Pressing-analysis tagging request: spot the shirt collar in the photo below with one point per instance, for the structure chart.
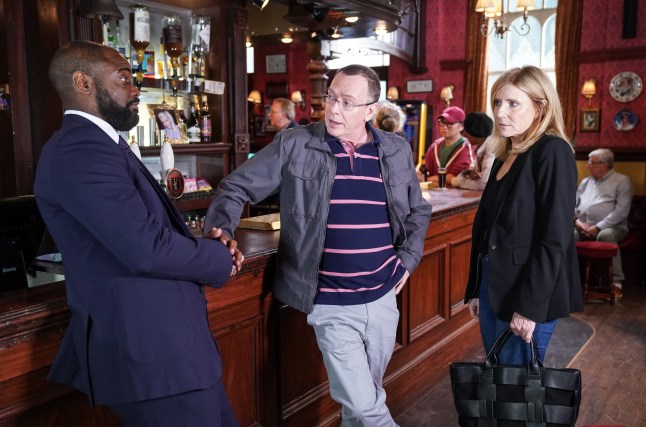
(107, 128)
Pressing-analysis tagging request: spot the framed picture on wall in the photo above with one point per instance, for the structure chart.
(590, 118)
(277, 90)
(276, 63)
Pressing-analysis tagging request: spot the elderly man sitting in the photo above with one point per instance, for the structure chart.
(602, 205)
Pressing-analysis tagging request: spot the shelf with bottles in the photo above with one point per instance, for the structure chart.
(170, 43)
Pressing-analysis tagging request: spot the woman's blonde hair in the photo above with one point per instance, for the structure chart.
(535, 83)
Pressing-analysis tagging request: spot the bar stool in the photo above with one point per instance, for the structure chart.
(596, 256)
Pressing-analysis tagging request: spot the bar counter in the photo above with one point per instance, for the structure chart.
(273, 370)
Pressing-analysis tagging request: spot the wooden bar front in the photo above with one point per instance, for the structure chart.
(273, 370)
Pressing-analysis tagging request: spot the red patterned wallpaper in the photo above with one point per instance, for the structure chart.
(601, 30)
(445, 41)
(296, 75)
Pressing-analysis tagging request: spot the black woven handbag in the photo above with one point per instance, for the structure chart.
(488, 394)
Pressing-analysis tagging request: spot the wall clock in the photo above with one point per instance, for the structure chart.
(626, 86)
(276, 64)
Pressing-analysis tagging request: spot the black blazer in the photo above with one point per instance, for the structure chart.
(133, 272)
(533, 268)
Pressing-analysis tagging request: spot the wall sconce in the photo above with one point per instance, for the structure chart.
(255, 97)
(589, 89)
(446, 94)
(260, 3)
(248, 42)
(298, 98)
(286, 38)
(392, 93)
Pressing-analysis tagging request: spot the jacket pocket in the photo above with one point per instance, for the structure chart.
(305, 190)
(520, 255)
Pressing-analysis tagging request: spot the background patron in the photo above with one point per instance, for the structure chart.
(602, 205)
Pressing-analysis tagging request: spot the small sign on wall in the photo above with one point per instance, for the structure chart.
(417, 86)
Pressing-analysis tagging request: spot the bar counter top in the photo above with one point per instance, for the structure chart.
(254, 243)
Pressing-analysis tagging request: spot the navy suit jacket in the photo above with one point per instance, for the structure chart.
(533, 268)
(133, 272)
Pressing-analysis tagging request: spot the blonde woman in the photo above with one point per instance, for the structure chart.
(523, 270)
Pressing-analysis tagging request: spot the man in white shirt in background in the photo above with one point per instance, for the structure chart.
(602, 205)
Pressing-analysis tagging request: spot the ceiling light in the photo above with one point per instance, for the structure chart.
(351, 19)
(260, 3)
(495, 10)
(286, 38)
(381, 31)
(336, 34)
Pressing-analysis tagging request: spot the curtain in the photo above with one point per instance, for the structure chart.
(476, 54)
(568, 38)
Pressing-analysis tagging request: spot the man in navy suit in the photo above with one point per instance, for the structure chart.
(138, 339)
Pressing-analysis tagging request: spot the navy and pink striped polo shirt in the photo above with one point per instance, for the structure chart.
(359, 264)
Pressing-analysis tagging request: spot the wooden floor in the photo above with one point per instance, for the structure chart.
(612, 363)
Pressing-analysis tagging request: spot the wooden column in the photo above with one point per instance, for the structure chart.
(317, 70)
(238, 108)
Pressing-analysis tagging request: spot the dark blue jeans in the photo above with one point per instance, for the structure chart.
(515, 351)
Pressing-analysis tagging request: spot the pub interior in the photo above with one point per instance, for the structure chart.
(237, 57)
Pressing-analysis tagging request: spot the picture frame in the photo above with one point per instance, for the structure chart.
(419, 86)
(275, 64)
(167, 119)
(590, 119)
(275, 90)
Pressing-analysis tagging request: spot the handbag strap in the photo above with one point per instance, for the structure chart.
(492, 356)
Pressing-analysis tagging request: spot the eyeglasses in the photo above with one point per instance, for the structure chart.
(345, 104)
(444, 123)
(592, 162)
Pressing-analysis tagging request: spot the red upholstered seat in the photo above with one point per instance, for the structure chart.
(595, 261)
(594, 249)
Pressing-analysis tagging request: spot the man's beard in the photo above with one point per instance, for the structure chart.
(120, 118)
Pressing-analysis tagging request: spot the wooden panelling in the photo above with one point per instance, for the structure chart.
(273, 369)
(425, 308)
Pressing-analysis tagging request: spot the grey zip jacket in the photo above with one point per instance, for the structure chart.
(300, 165)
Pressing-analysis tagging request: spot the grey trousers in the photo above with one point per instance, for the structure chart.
(612, 235)
(356, 342)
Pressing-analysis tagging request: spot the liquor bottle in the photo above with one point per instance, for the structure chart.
(205, 121)
(172, 30)
(135, 147)
(422, 169)
(182, 121)
(139, 35)
(193, 127)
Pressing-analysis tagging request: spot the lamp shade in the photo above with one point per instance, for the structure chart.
(589, 87)
(446, 93)
(525, 4)
(297, 96)
(392, 93)
(98, 8)
(255, 97)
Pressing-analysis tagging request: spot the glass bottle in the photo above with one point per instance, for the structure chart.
(172, 30)
(200, 34)
(205, 121)
(193, 127)
(139, 34)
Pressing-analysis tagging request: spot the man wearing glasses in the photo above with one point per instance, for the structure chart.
(452, 151)
(353, 223)
(602, 205)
